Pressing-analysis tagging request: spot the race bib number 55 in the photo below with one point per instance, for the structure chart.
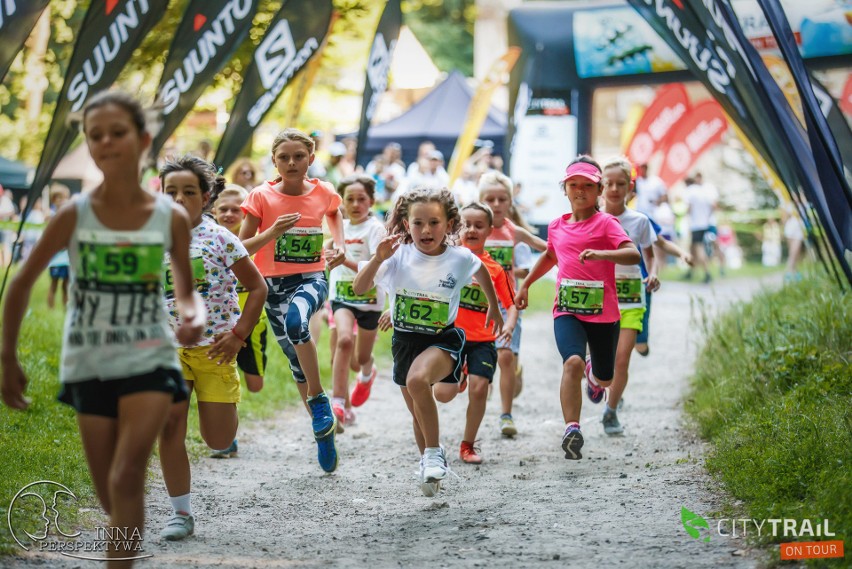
(580, 297)
(418, 311)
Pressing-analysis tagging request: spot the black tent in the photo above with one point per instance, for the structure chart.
(14, 175)
(438, 117)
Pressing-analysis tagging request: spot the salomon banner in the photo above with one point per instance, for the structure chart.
(208, 35)
(17, 20)
(110, 32)
(292, 39)
(670, 105)
(378, 65)
(699, 130)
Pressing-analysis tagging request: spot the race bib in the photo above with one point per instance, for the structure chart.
(299, 245)
(344, 292)
(629, 290)
(580, 297)
(418, 311)
(502, 251)
(473, 298)
(199, 280)
(119, 262)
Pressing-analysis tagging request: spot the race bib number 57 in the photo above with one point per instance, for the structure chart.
(580, 297)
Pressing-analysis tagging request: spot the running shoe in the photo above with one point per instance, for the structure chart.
(645, 353)
(469, 453)
(610, 423)
(339, 415)
(594, 392)
(179, 526)
(229, 452)
(361, 391)
(325, 426)
(507, 425)
(349, 416)
(572, 442)
(433, 469)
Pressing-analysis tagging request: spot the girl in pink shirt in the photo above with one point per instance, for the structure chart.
(586, 245)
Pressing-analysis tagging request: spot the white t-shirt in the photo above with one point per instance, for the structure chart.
(212, 252)
(702, 201)
(648, 193)
(628, 278)
(424, 289)
(361, 242)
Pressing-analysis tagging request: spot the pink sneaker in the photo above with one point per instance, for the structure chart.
(594, 392)
(340, 414)
(361, 392)
(349, 416)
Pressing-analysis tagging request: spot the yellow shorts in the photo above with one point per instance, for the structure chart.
(632, 318)
(212, 383)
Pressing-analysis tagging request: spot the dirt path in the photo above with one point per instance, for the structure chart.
(526, 506)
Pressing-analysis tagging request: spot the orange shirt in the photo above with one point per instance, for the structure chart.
(299, 250)
(474, 305)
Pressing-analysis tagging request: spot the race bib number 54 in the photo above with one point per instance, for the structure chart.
(299, 245)
(580, 297)
(417, 311)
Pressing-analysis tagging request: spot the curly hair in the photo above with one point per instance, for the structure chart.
(423, 194)
(203, 170)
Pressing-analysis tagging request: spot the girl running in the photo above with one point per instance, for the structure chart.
(116, 238)
(218, 259)
(283, 226)
(251, 358)
(630, 284)
(362, 232)
(479, 353)
(424, 277)
(496, 191)
(586, 245)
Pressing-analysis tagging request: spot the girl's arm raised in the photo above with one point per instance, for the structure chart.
(253, 241)
(542, 266)
(193, 315)
(483, 277)
(365, 277)
(228, 344)
(534, 241)
(626, 254)
(56, 237)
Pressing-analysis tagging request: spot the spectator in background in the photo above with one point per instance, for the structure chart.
(7, 213)
(205, 149)
(335, 167)
(431, 173)
(422, 161)
(317, 167)
(650, 191)
(31, 234)
(795, 237)
(701, 203)
(466, 187)
(388, 171)
(59, 265)
(244, 174)
(347, 164)
(770, 248)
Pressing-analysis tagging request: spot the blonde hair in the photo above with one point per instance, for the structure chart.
(293, 135)
(623, 164)
(495, 178)
(59, 190)
(422, 194)
(479, 206)
(232, 191)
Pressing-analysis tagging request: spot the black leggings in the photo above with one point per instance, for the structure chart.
(572, 335)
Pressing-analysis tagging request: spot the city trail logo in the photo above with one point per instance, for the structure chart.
(693, 523)
(45, 504)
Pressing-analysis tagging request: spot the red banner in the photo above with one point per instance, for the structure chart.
(846, 98)
(700, 129)
(667, 109)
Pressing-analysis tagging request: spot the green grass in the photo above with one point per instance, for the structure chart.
(772, 393)
(747, 270)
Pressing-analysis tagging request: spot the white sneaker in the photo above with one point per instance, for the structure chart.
(178, 527)
(429, 489)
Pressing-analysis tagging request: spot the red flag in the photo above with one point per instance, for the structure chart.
(696, 132)
(669, 107)
(846, 98)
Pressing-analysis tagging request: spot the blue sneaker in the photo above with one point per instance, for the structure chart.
(325, 426)
(594, 392)
(572, 442)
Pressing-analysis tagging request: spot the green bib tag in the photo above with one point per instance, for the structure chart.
(502, 251)
(473, 298)
(580, 297)
(299, 245)
(418, 311)
(346, 294)
(629, 290)
(199, 282)
(120, 267)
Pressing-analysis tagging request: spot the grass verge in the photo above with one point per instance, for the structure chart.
(772, 393)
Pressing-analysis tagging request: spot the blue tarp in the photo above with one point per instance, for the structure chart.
(14, 175)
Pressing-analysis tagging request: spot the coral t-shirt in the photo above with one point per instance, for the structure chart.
(585, 290)
(474, 305)
(299, 250)
(501, 245)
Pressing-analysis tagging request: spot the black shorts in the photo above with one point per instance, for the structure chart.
(100, 397)
(698, 236)
(481, 359)
(406, 346)
(252, 357)
(572, 335)
(366, 319)
(59, 272)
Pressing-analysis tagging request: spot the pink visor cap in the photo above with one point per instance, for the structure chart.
(583, 169)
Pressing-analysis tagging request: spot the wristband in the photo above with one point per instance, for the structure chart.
(241, 339)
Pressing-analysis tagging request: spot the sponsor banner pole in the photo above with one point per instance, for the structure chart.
(17, 20)
(305, 80)
(292, 39)
(205, 40)
(477, 110)
(669, 106)
(378, 65)
(699, 130)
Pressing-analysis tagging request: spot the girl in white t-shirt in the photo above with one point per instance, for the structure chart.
(424, 276)
(362, 233)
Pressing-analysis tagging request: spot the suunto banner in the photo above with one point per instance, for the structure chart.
(17, 20)
(208, 35)
(110, 32)
(378, 65)
(293, 38)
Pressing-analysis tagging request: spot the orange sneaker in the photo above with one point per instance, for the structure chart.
(469, 453)
(339, 412)
(361, 392)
